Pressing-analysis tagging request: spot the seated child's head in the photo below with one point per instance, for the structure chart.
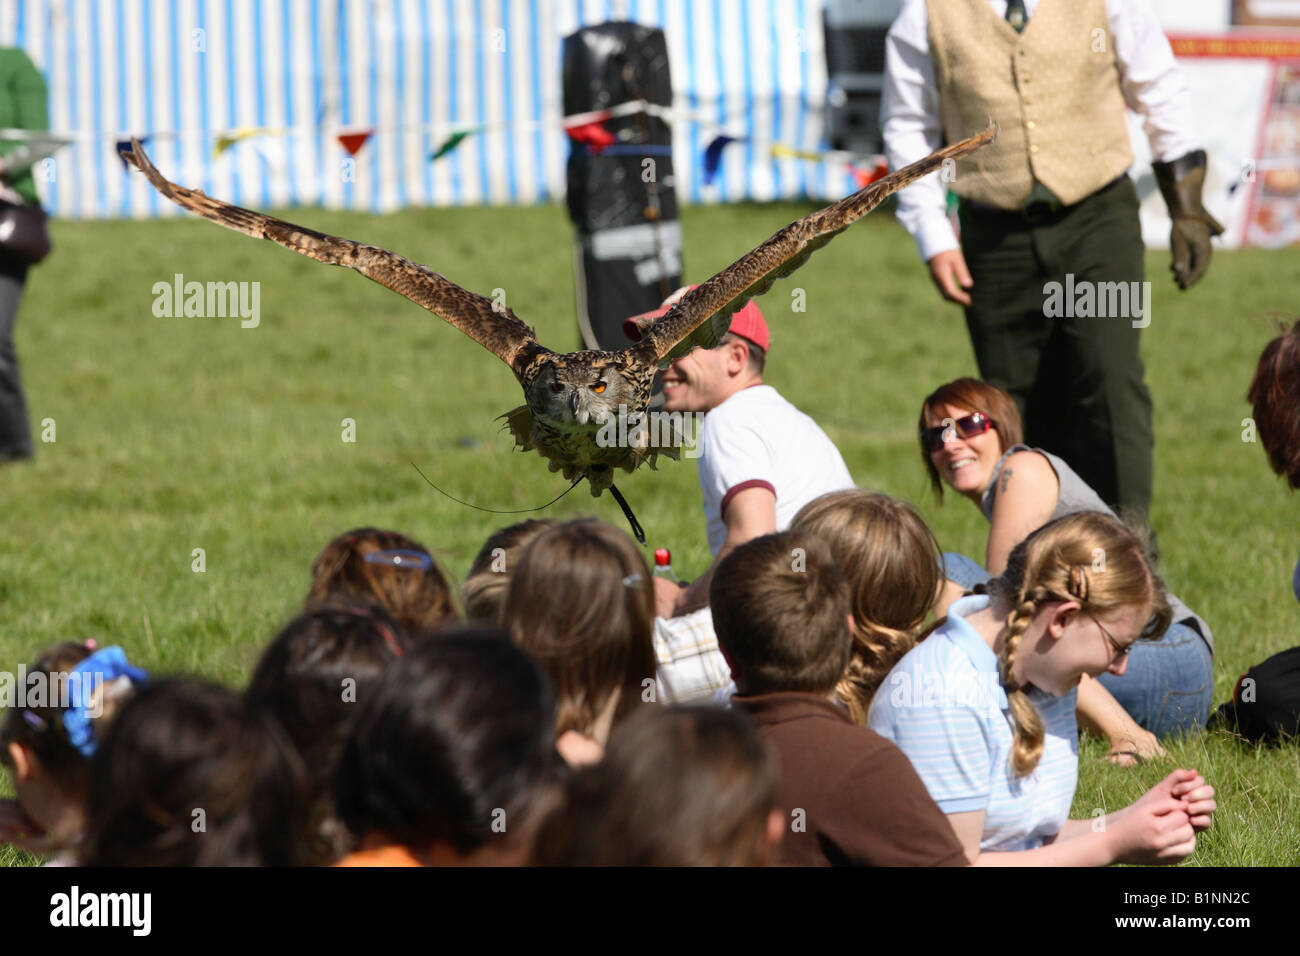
(313, 678)
(453, 752)
(891, 560)
(679, 786)
(485, 588)
(188, 775)
(53, 727)
(370, 566)
(581, 602)
(1274, 396)
(781, 612)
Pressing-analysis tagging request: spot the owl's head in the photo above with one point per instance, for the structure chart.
(582, 392)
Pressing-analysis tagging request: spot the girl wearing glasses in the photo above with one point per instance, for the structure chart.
(971, 442)
(985, 706)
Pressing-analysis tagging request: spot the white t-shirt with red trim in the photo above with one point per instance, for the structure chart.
(756, 439)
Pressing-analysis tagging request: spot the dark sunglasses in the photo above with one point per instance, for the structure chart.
(976, 423)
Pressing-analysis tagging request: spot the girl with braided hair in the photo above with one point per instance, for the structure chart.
(891, 558)
(985, 706)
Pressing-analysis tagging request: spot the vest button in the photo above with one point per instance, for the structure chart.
(1033, 149)
(1030, 125)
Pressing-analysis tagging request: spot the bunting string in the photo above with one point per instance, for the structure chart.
(587, 129)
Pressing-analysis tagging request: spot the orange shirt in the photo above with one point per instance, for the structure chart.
(382, 856)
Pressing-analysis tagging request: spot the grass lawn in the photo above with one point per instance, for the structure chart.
(180, 433)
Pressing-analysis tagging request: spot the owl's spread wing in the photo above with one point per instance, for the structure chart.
(490, 324)
(703, 315)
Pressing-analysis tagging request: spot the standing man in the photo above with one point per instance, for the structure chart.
(1050, 198)
(761, 459)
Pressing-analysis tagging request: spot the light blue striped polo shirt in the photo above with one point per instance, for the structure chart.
(944, 706)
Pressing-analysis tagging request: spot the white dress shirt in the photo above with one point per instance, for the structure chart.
(912, 128)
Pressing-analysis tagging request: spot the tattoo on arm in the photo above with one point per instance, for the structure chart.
(1002, 481)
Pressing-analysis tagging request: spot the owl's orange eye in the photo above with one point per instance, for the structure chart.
(598, 387)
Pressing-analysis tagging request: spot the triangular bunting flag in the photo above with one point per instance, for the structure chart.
(124, 146)
(230, 138)
(353, 142)
(782, 151)
(592, 135)
(713, 156)
(450, 143)
(865, 177)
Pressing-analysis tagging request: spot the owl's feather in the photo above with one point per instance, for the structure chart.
(703, 314)
(491, 325)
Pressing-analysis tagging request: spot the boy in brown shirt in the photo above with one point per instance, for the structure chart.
(781, 612)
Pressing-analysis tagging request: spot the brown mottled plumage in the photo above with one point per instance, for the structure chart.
(570, 396)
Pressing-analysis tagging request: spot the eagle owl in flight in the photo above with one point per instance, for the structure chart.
(570, 396)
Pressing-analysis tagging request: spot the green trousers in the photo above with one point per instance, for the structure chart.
(1070, 362)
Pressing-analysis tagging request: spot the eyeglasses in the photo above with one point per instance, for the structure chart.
(1121, 650)
(401, 558)
(976, 423)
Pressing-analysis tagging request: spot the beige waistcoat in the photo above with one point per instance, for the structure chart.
(1053, 89)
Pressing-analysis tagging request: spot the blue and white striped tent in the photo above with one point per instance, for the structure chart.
(186, 71)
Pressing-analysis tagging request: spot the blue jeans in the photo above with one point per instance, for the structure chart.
(1168, 685)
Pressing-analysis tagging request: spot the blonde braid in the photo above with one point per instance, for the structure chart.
(876, 649)
(1027, 747)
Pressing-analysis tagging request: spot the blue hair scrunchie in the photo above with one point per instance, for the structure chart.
(105, 665)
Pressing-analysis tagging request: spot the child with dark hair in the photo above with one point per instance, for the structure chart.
(188, 775)
(48, 737)
(372, 566)
(1265, 704)
(485, 589)
(1274, 396)
(313, 678)
(782, 614)
(450, 759)
(580, 602)
(679, 786)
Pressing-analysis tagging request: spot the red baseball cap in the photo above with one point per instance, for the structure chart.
(747, 322)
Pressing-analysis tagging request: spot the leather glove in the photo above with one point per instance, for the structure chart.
(1180, 183)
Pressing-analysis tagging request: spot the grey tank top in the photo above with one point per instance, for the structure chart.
(1076, 495)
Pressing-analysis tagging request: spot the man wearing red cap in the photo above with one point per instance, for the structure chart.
(761, 459)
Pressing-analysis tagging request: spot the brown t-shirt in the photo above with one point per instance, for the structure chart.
(863, 803)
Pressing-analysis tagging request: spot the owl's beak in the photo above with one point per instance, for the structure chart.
(573, 401)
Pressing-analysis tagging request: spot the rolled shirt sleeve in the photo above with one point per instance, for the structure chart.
(1150, 79)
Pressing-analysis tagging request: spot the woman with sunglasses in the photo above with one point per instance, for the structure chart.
(971, 442)
(985, 706)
